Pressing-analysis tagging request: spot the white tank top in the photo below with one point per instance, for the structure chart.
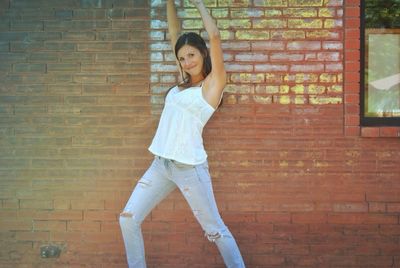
(179, 132)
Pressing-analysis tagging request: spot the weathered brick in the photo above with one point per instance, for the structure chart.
(247, 78)
(322, 34)
(74, 25)
(29, 67)
(269, 23)
(333, 23)
(251, 57)
(301, 12)
(29, 45)
(325, 100)
(252, 35)
(304, 45)
(305, 23)
(235, 23)
(271, 68)
(271, 3)
(25, 25)
(63, 67)
(234, 3)
(87, 36)
(327, 12)
(262, 99)
(59, 46)
(306, 2)
(286, 57)
(307, 67)
(268, 45)
(262, 89)
(288, 34)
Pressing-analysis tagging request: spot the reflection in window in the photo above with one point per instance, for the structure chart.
(381, 60)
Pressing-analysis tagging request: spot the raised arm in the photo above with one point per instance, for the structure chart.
(174, 28)
(216, 80)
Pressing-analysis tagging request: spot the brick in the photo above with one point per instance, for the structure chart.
(307, 68)
(36, 204)
(247, 78)
(269, 23)
(289, 34)
(79, 36)
(389, 132)
(32, 67)
(369, 132)
(86, 226)
(87, 204)
(262, 99)
(49, 226)
(25, 25)
(305, 23)
(350, 207)
(268, 45)
(327, 12)
(306, 2)
(15, 225)
(63, 67)
(91, 3)
(32, 236)
(234, 3)
(271, 68)
(334, 67)
(333, 23)
(304, 45)
(325, 100)
(322, 34)
(59, 46)
(361, 218)
(100, 215)
(271, 3)
(75, 25)
(286, 57)
(252, 35)
(305, 12)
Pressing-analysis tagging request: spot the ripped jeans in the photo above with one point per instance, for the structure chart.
(194, 182)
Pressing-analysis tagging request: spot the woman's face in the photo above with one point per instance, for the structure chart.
(191, 61)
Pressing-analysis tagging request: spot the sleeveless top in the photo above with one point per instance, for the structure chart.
(179, 133)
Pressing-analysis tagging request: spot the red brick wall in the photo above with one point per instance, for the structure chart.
(82, 86)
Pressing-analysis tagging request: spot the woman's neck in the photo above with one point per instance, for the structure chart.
(197, 80)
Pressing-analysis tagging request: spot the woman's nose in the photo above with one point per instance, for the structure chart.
(186, 62)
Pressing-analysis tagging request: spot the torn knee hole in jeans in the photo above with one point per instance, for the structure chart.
(126, 214)
(212, 237)
(144, 183)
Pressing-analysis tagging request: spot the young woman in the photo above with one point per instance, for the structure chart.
(180, 159)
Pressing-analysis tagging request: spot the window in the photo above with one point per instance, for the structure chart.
(380, 63)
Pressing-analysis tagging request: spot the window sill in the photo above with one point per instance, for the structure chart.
(384, 132)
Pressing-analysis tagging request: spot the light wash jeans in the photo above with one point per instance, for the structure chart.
(194, 182)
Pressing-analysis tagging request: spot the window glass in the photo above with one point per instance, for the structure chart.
(381, 89)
